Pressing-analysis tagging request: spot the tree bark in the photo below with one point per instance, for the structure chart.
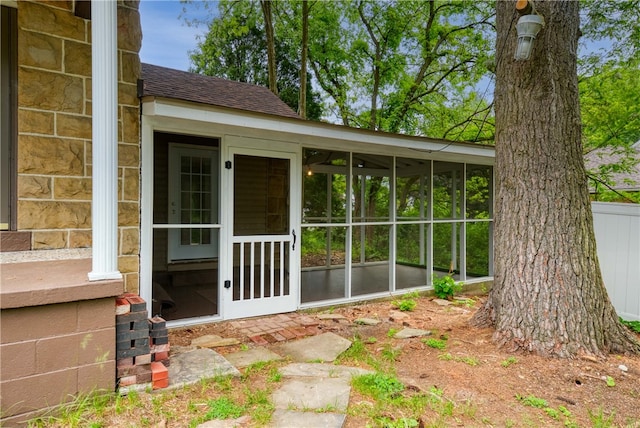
(271, 45)
(548, 295)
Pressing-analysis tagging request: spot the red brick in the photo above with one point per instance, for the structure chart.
(308, 321)
(287, 334)
(125, 362)
(127, 380)
(142, 359)
(143, 377)
(157, 323)
(133, 370)
(259, 340)
(122, 306)
(160, 348)
(157, 356)
(313, 330)
(137, 303)
(159, 371)
(278, 337)
(162, 383)
(299, 331)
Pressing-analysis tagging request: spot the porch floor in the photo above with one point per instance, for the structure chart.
(327, 284)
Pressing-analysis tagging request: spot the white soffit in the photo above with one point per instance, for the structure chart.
(167, 111)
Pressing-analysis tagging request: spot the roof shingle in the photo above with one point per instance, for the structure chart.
(181, 85)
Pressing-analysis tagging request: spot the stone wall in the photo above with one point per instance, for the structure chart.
(54, 129)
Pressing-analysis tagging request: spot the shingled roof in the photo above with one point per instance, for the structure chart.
(181, 85)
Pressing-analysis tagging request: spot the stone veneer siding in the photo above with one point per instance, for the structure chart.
(54, 129)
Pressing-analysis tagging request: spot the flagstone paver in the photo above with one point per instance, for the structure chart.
(324, 347)
(246, 358)
(407, 333)
(192, 366)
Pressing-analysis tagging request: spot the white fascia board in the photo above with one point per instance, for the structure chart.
(166, 110)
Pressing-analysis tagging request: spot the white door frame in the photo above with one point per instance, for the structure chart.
(176, 250)
(270, 305)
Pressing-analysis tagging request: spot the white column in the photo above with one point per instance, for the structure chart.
(104, 208)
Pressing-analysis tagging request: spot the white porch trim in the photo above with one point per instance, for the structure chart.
(104, 206)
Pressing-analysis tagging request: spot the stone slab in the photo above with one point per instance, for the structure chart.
(367, 321)
(321, 371)
(324, 347)
(251, 356)
(190, 367)
(213, 341)
(243, 421)
(407, 333)
(330, 317)
(324, 394)
(289, 418)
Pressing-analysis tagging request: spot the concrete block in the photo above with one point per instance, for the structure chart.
(95, 314)
(97, 377)
(17, 360)
(53, 388)
(37, 322)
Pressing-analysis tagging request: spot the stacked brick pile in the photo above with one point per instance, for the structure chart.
(142, 346)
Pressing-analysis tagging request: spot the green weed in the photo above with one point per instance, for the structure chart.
(223, 408)
(600, 420)
(407, 303)
(445, 287)
(435, 343)
(509, 361)
(532, 401)
(632, 325)
(377, 385)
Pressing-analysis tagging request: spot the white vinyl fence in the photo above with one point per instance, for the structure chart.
(617, 228)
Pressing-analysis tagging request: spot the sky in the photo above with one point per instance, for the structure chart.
(166, 38)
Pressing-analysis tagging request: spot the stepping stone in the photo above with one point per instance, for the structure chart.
(330, 317)
(213, 341)
(324, 347)
(242, 421)
(407, 333)
(246, 358)
(289, 418)
(193, 366)
(441, 302)
(326, 394)
(398, 316)
(321, 371)
(367, 321)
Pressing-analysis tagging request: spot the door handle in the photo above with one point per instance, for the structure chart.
(293, 232)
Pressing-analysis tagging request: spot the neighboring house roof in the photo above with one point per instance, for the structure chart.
(182, 85)
(627, 181)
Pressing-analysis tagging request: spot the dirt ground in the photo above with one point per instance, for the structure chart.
(486, 386)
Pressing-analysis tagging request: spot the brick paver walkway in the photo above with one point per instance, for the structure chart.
(277, 328)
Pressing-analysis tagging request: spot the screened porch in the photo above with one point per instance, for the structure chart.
(374, 224)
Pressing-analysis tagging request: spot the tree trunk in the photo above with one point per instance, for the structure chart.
(271, 45)
(302, 101)
(548, 295)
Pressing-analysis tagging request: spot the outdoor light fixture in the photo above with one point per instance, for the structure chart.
(527, 27)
